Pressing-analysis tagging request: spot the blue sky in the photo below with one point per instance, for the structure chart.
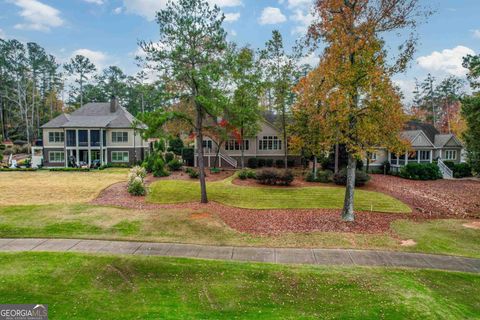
(107, 31)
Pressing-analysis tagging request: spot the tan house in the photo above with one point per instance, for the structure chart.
(95, 133)
(427, 146)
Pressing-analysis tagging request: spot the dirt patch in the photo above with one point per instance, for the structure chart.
(432, 199)
(200, 215)
(472, 225)
(408, 243)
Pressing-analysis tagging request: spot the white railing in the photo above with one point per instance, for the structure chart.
(447, 173)
(231, 161)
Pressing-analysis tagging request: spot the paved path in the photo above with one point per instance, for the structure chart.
(271, 255)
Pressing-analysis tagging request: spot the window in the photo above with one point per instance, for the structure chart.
(270, 143)
(71, 138)
(450, 154)
(95, 138)
(372, 156)
(83, 138)
(119, 136)
(56, 156)
(424, 156)
(207, 144)
(120, 156)
(56, 137)
(236, 145)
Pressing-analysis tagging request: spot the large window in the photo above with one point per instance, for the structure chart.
(450, 154)
(71, 138)
(120, 136)
(56, 156)
(236, 145)
(83, 138)
(120, 156)
(95, 138)
(270, 143)
(56, 137)
(424, 155)
(372, 156)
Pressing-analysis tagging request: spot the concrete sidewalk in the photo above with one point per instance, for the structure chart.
(336, 257)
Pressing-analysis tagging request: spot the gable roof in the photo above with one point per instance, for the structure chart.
(95, 115)
(442, 139)
(429, 130)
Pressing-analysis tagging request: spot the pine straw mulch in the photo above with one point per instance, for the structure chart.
(429, 199)
(432, 199)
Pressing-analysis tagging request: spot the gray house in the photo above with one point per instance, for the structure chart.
(427, 145)
(101, 132)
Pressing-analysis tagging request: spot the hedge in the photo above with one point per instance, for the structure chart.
(274, 176)
(361, 178)
(421, 171)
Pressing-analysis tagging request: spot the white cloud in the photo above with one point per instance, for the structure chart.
(292, 4)
(148, 8)
(271, 15)
(98, 58)
(476, 33)
(37, 15)
(406, 87)
(303, 20)
(448, 61)
(232, 17)
(118, 10)
(312, 59)
(99, 2)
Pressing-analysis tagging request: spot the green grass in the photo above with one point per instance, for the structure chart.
(179, 191)
(79, 286)
(177, 225)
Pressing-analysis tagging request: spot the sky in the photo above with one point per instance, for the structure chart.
(107, 31)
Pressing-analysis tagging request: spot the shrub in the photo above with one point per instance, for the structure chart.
(280, 163)
(324, 176)
(261, 163)
(136, 183)
(450, 164)
(175, 145)
(420, 171)
(291, 163)
(462, 170)
(174, 165)
(274, 176)
(269, 163)
(361, 178)
(70, 169)
(252, 163)
(194, 174)
(169, 156)
(215, 170)
(114, 165)
(18, 169)
(246, 174)
(188, 156)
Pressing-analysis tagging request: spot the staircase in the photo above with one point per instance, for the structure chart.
(447, 173)
(231, 161)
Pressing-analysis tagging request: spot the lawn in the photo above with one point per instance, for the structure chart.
(182, 225)
(225, 192)
(105, 287)
(45, 187)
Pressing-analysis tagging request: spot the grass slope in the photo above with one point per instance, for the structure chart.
(45, 187)
(178, 191)
(94, 222)
(103, 287)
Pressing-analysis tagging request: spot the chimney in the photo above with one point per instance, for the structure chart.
(113, 104)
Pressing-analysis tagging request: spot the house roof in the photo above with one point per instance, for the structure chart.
(410, 135)
(429, 130)
(442, 139)
(95, 115)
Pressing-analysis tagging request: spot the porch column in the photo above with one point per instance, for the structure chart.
(101, 146)
(431, 156)
(406, 157)
(77, 157)
(65, 156)
(89, 149)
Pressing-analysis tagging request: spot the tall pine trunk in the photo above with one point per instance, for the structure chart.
(242, 147)
(347, 212)
(200, 159)
(337, 151)
(285, 144)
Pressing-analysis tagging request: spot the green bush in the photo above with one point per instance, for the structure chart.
(462, 170)
(421, 171)
(136, 183)
(280, 163)
(215, 170)
(175, 145)
(194, 174)
(70, 169)
(323, 176)
(270, 176)
(158, 168)
(188, 155)
(261, 163)
(169, 156)
(361, 178)
(269, 163)
(252, 163)
(114, 165)
(174, 165)
(18, 169)
(246, 174)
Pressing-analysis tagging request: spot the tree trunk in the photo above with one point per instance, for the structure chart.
(285, 144)
(242, 147)
(337, 151)
(81, 92)
(200, 159)
(315, 168)
(347, 212)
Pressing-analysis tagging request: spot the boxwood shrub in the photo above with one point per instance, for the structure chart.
(270, 176)
(421, 171)
(252, 163)
(361, 178)
(323, 176)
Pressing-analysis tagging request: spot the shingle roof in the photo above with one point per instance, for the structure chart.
(410, 135)
(429, 130)
(442, 139)
(95, 115)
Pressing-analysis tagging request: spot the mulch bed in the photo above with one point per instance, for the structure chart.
(297, 183)
(432, 199)
(181, 175)
(429, 199)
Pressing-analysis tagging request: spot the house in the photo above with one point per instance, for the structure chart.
(266, 144)
(96, 132)
(427, 145)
